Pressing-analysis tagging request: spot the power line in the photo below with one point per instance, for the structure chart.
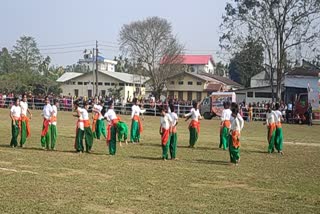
(65, 44)
(63, 52)
(58, 48)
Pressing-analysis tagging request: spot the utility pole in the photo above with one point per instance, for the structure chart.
(93, 72)
(97, 52)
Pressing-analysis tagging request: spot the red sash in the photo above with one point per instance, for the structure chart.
(137, 118)
(94, 122)
(195, 124)
(53, 119)
(174, 129)
(278, 125)
(45, 127)
(165, 136)
(19, 121)
(86, 123)
(235, 139)
(114, 123)
(272, 127)
(26, 119)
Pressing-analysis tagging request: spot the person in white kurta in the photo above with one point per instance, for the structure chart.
(15, 115)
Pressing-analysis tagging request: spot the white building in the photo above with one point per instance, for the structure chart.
(263, 79)
(83, 84)
(198, 63)
(103, 64)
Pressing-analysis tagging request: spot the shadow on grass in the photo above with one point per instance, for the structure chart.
(215, 162)
(255, 151)
(199, 148)
(145, 158)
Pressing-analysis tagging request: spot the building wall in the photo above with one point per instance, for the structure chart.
(259, 80)
(173, 84)
(254, 95)
(84, 83)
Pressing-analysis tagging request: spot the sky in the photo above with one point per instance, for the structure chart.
(64, 28)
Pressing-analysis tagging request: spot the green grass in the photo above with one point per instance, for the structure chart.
(137, 181)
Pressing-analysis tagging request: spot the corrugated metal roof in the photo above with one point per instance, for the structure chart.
(125, 77)
(68, 76)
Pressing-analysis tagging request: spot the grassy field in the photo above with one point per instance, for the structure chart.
(137, 181)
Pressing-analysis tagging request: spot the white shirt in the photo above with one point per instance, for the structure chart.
(55, 113)
(135, 110)
(195, 114)
(84, 114)
(47, 110)
(237, 123)
(99, 109)
(110, 115)
(15, 111)
(166, 121)
(278, 115)
(174, 118)
(24, 108)
(226, 114)
(270, 118)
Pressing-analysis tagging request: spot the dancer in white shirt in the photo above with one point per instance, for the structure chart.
(136, 124)
(237, 124)
(225, 125)
(15, 115)
(25, 124)
(46, 127)
(194, 126)
(165, 129)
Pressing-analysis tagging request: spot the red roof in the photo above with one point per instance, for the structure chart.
(196, 59)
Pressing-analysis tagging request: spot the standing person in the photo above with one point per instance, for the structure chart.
(136, 125)
(164, 130)
(279, 133)
(54, 133)
(122, 131)
(46, 127)
(309, 115)
(98, 126)
(270, 122)
(113, 120)
(237, 124)
(194, 126)
(15, 115)
(225, 125)
(25, 125)
(173, 136)
(250, 113)
(83, 128)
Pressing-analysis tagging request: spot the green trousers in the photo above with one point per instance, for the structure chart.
(233, 151)
(122, 130)
(23, 133)
(224, 138)
(14, 133)
(45, 140)
(54, 135)
(173, 145)
(272, 140)
(135, 132)
(165, 149)
(87, 134)
(279, 139)
(113, 141)
(100, 129)
(193, 136)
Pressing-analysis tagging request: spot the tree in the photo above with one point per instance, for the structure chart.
(115, 92)
(280, 25)
(26, 54)
(151, 44)
(247, 63)
(6, 65)
(220, 69)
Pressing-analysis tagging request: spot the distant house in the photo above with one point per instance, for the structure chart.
(82, 84)
(263, 79)
(103, 63)
(189, 86)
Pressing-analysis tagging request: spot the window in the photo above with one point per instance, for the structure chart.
(180, 95)
(85, 83)
(198, 96)
(113, 84)
(199, 83)
(180, 82)
(121, 84)
(76, 92)
(189, 95)
(73, 83)
(263, 95)
(99, 83)
(250, 94)
(171, 82)
(190, 83)
(107, 83)
(89, 93)
(80, 83)
(103, 93)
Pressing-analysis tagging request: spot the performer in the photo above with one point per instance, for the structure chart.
(98, 126)
(46, 128)
(225, 125)
(54, 133)
(270, 122)
(194, 126)
(237, 124)
(25, 126)
(83, 128)
(113, 120)
(136, 125)
(165, 130)
(15, 114)
(173, 136)
(279, 133)
(122, 131)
